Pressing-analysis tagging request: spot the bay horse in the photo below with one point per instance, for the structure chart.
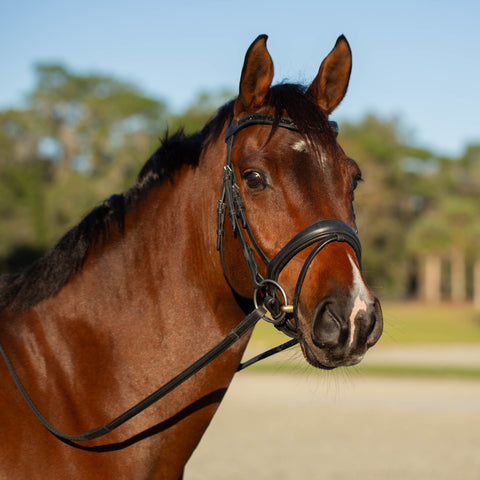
(251, 214)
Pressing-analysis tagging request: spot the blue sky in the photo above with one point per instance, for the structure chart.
(416, 60)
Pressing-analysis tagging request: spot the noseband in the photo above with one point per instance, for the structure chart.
(321, 233)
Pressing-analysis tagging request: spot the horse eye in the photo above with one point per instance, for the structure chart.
(355, 181)
(254, 179)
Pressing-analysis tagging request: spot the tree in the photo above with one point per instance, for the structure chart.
(389, 200)
(469, 179)
(80, 138)
(428, 239)
(92, 117)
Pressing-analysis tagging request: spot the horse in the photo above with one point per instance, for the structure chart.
(254, 213)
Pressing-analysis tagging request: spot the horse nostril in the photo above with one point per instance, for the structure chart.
(326, 329)
(376, 326)
(329, 331)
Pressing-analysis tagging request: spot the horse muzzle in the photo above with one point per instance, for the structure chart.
(340, 335)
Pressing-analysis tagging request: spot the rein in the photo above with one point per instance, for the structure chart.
(272, 309)
(233, 336)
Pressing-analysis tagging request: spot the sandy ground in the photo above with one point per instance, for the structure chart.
(350, 426)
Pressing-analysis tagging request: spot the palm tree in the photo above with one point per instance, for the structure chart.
(429, 240)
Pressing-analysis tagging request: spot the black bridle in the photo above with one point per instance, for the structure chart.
(321, 233)
(273, 308)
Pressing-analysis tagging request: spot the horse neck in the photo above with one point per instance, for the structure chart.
(146, 305)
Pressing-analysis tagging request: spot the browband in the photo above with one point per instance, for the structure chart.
(265, 119)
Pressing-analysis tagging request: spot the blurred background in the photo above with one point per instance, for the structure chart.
(87, 89)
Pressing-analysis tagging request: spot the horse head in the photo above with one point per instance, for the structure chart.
(292, 179)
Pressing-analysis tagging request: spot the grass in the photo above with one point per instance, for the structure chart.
(424, 371)
(421, 371)
(413, 323)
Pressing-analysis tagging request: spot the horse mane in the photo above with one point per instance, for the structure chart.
(45, 277)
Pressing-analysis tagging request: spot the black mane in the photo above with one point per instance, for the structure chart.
(45, 277)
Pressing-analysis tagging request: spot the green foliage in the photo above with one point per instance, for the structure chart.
(384, 202)
(422, 371)
(451, 222)
(78, 140)
(412, 202)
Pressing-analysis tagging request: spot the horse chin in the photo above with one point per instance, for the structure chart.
(324, 358)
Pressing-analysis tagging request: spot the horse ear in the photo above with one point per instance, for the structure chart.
(257, 75)
(331, 82)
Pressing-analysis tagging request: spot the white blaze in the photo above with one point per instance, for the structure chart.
(300, 146)
(361, 294)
